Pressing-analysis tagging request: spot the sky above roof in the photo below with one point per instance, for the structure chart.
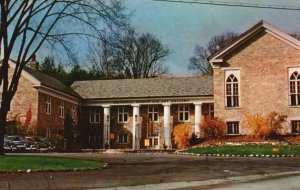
(180, 26)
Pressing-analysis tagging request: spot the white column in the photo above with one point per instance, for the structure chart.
(167, 131)
(197, 118)
(106, 125)
(135, 132)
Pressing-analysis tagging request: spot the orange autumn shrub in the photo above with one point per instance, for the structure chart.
(182, 134)
(257, 125)
(275, 122)
(264, 126)
(212, 128)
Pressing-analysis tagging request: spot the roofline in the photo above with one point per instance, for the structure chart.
(168, 77)
(149, 97)
(39, 84)
(262, 25)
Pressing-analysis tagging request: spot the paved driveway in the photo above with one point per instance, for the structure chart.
(140, 168)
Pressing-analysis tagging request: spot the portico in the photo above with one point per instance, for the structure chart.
(149, 123)
(142, 113)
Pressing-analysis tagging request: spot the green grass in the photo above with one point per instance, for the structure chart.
(248, 150)
(45, 163)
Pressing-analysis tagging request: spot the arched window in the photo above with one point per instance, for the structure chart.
(232, 91)
(295, 89)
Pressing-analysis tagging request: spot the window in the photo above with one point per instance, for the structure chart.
(122, 114)
(153, 113)
(48, 105)
(295, 126)
(232, 91)
(95, 116)
(209, 110)
(73, 112)
(295, 89)
(232, 127)
(62, 109)
(48, 133)
(122, 138)
(183, 113)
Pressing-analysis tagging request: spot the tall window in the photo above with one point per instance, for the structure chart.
(122, 138)
(73, 112)
(62, 109)
(232, 91)
(153, 113)
(232, 127)
(95, 116)
(48, 105)
(295, 89)
(183, 113)
(122, 114)
(295, 126)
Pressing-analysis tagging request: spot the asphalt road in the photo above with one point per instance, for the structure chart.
(141, 168)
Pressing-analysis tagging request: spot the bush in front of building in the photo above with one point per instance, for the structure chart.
(264, 126)
(212, 128)
(182, 134)
(276, 121)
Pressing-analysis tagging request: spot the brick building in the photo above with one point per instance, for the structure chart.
(43, 100)
(257, 73)
(123, 113)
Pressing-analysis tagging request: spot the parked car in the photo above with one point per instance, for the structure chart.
(18, 142)
(9, 147)
(41, 145)
(49, 143)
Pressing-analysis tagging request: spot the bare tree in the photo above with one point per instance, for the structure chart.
(29, 24)
(129, 55)
(140, 56)
(199, 61)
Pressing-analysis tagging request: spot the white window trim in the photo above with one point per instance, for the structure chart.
(96, 113)
(152, 112)
(62, 109)
(239, 128)
(236, 73)
(121, 110)
(291, 71)
(292, 126)
(48, 105)
(184, 111)
(122, 142)
(73, 112)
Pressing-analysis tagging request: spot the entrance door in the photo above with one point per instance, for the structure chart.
(154, 142)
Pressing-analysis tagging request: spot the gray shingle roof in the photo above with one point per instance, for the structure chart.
(143, 88)
(51, 82)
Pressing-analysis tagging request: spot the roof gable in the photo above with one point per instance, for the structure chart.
(252, 32)
(38, 79)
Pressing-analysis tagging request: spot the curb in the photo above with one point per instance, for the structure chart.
(232, 155)
(205, 183)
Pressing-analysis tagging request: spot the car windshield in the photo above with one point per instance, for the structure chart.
(16, 139)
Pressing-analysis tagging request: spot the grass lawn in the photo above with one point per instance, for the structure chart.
(45, 163)
(248, 150)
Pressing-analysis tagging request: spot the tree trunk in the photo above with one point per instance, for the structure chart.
(2, 130)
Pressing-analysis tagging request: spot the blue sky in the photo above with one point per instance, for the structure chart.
(181, 26)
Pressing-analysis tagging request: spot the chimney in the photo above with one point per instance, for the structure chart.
(32, 62)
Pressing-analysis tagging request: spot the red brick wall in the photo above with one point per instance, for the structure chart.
(53, 120)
